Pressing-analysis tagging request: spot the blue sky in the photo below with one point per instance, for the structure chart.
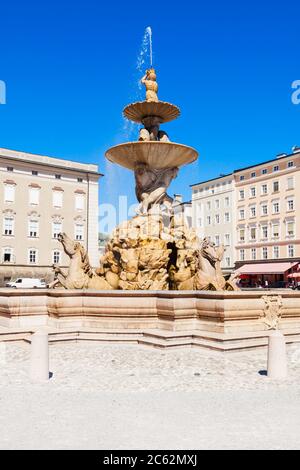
(69, 69)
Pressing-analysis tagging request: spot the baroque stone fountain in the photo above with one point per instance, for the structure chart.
(154, 250)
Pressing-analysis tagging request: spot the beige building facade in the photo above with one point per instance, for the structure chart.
(253, 212)
(268, 205)
(42, 196)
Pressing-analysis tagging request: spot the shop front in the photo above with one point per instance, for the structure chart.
(268, 274)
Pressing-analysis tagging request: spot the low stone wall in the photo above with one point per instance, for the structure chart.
(220, 320)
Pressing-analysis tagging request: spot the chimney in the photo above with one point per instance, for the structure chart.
(178, 198)
(279, 155)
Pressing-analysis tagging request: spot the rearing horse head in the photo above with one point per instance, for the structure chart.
(73, 248)
(209, 251)
(70, 246)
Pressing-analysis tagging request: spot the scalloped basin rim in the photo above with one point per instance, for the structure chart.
(140, 109)
(155, 154)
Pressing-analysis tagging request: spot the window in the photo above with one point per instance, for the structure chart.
(227, 217)
(291, 251)
(264, 189)
(252, 233)
(217, 204)
(275, 230)
(56, 257)
(264, 171)
(34, 194)
(79, 230)
(227, 239)
(228, 261)
(10, 168)
(253, 253)
(265, 252)
(80, 180)
(208, 220)
(242, 255)
(226, 201)
(290, 183)
(34, 173)
(33, 228)
(242, 214)
(253, 191)
(56, 229)
(9, 192)
(242, 177)
(57, 177)
(8, 225)
(57, 198)
(217, 240)
(252, 211)
(275, 251)
(7, 255)
(264, 209)
(253, 174)
(290, 164)
(32, 256)
(242, 194)
(264, 231)
(79, 201)
(217, 219)
(290, 229)
(275, 186)
(276, 168)
(290, 204)
(208, 205)
(242, 235)
(275, 207)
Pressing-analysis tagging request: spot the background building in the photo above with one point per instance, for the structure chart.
(253, 212)
(213, 213)
(184, 208)
(268, 228)
(40, 197)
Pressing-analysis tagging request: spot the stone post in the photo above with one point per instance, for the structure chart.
(39, 357)
(277, 366)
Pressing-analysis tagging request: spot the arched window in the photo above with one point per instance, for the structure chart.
(7, 255)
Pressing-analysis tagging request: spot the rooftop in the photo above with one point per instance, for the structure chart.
(49, 161)
(212, 179)
(276, 159)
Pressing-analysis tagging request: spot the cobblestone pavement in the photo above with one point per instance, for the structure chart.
(128, 396)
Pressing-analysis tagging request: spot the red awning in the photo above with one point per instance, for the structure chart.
(266, 268)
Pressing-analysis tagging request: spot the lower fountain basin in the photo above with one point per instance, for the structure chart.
(155, 154)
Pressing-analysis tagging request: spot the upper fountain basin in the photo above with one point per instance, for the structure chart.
(153, 153)
(138, 111)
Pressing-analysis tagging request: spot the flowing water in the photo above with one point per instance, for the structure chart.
(144, 61)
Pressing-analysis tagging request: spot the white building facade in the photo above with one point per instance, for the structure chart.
(40, 197)
(214, 215)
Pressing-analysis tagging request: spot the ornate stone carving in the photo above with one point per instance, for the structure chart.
(149, 80)
(80, 275)
(151, 186)
(272, 311)
(148, 252)
(155, 249)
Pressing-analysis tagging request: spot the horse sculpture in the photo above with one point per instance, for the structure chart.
(208, 272)
(80, 274)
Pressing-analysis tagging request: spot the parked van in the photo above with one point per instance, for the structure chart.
(27, 283)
